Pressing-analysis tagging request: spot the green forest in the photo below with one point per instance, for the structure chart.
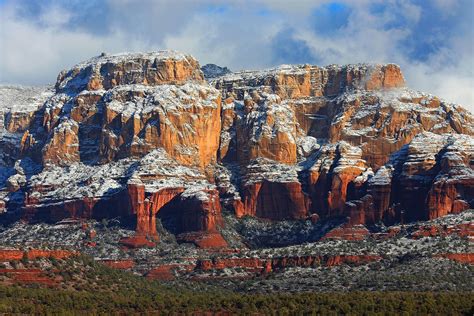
(50, 301)
(96, 289)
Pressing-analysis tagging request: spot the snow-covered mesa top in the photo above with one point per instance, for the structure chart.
(151, 68)
(23, 98)
(129, 56)
(299, 69)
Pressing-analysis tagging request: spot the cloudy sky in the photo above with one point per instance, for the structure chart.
(432, 40)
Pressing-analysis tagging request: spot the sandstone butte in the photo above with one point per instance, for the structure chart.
(145, 135)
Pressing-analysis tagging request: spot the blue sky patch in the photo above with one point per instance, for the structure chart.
(289, 50)
(329, 19)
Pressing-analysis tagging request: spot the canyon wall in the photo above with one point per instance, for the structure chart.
(144, 136)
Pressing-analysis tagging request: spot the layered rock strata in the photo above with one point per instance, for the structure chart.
(145, 136)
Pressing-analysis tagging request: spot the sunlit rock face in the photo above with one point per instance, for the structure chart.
(341, 132)
(119, 106)
(107, 71)
(146, 136)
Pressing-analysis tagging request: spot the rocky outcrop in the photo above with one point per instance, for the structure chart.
(56, 254)
(437, 175)
(462, 230)
(213, 71)
(337, 172)
(162, 273)
(168, 272)
(29, 276)
(349, 231)
(137, 241)
(459, 257)
(429, 178)
(180, 196)
(108, 71)
(63, 146)
(212, 240)
(262, 265)
(285, 114)
(190, 211)
(184, 120)
(274, 200)
(146, 208)
(381, 123)
(312, 81)
(453, 186)
(272, 190)
(340, 181)
(32, 254)
(201, 210)
(379, 188)
(18, 111)
(118, 106)
(11, 254)
(18, 105)
(145, 136)
(85, 208)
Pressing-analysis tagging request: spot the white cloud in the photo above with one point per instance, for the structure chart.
(55, 17)
(447, 73)
(300, 7)
(213, 39)
(446, 5)
(240, 36)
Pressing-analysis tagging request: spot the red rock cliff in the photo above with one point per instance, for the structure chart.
(284, 143)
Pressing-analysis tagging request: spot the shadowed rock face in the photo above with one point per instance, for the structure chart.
(214, 71)
(274, 200)
(145, 135)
